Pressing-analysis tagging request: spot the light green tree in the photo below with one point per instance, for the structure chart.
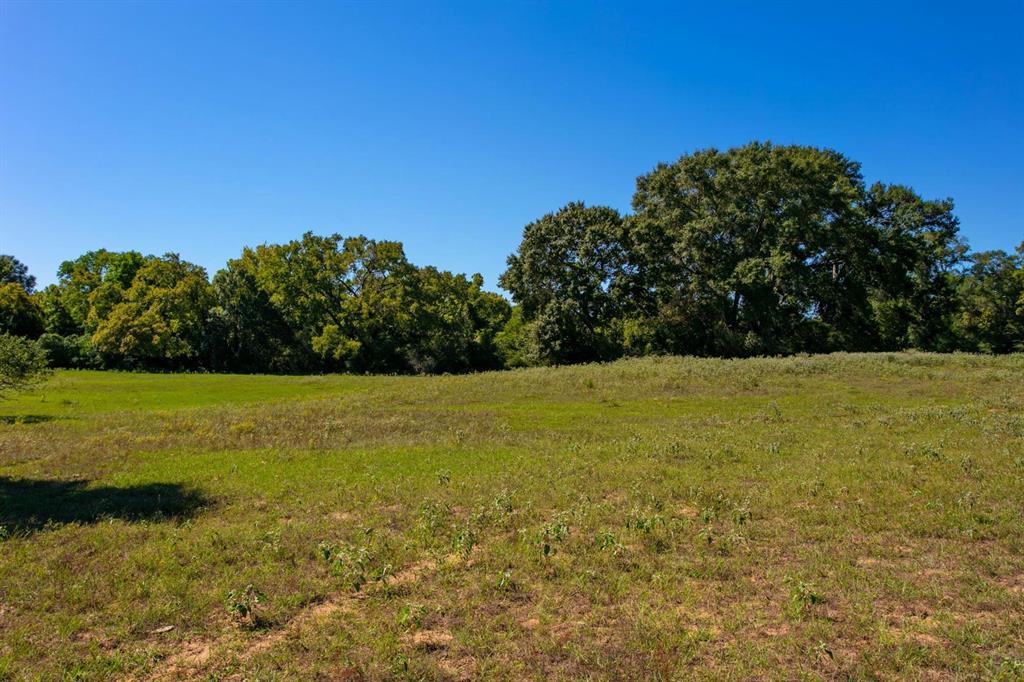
(160, 318)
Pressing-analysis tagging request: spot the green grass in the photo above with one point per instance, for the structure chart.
(835, 517)
(78, 393)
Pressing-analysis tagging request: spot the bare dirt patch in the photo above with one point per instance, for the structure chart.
(1013, 583)
(432, 640)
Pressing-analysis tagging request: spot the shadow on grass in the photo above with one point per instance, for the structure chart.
(26, 418)
(28, 505)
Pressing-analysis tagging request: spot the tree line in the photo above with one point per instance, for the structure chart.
(758, 250)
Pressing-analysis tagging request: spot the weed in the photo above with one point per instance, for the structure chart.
(707, 535)
(355, 565)
(434, 519)
(554, 531)
(969, 468)
(772, 413)
(400, 665)
(503, 504)
(242, 605)
(464, 541)
(643, 522)
(823, 651)
(802, 596)
(607, 542)
(506, 583)
(411, 616)
(741, 513)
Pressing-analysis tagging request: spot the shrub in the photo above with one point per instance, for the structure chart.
(22, 363)
(72, 352)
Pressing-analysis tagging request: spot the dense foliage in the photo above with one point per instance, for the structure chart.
(314, 304)
(22, 363)
(758, 250)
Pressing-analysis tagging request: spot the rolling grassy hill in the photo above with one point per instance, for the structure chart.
(845, 516)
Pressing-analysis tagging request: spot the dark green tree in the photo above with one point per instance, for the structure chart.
(13, 271)
(57, 318)
(454, 322)
(20, 313)
(916, 252)
(569, 277)
(990, 315)
(751, 251)
(245, 331)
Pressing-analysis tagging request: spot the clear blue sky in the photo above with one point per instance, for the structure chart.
(202, 127)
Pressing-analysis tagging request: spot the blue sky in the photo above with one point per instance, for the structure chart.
(202, 127)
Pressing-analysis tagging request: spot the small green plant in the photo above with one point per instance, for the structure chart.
(242, 605)
(926, 451)
(326, 550)
(554, 531)
(969, 468)
(503, 505)
(411, 616)
(707, 535)
(400, 665)
(607, 542)
(741, 513)
(506, 583)
(772, 413)
(823, 651)
(355, 565)
(464, 541)
(271, 541)
(643, 522)
(434, 519)
(802, 596)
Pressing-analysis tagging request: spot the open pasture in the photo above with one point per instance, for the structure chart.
(829, 517)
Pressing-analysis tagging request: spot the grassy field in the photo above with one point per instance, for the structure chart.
(836, 517)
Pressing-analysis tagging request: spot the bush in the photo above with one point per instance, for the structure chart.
(73, 352)
(22, 363)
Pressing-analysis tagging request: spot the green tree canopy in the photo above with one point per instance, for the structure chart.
(916, 250)
(752, 250)
(759, 249)
(569, 275)
(13, 271)
(991, 310)
(357, 304)
(93, 281)
(159, 318)
(246, 332)
(755, 250)
(20, 313)
(342, 296)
